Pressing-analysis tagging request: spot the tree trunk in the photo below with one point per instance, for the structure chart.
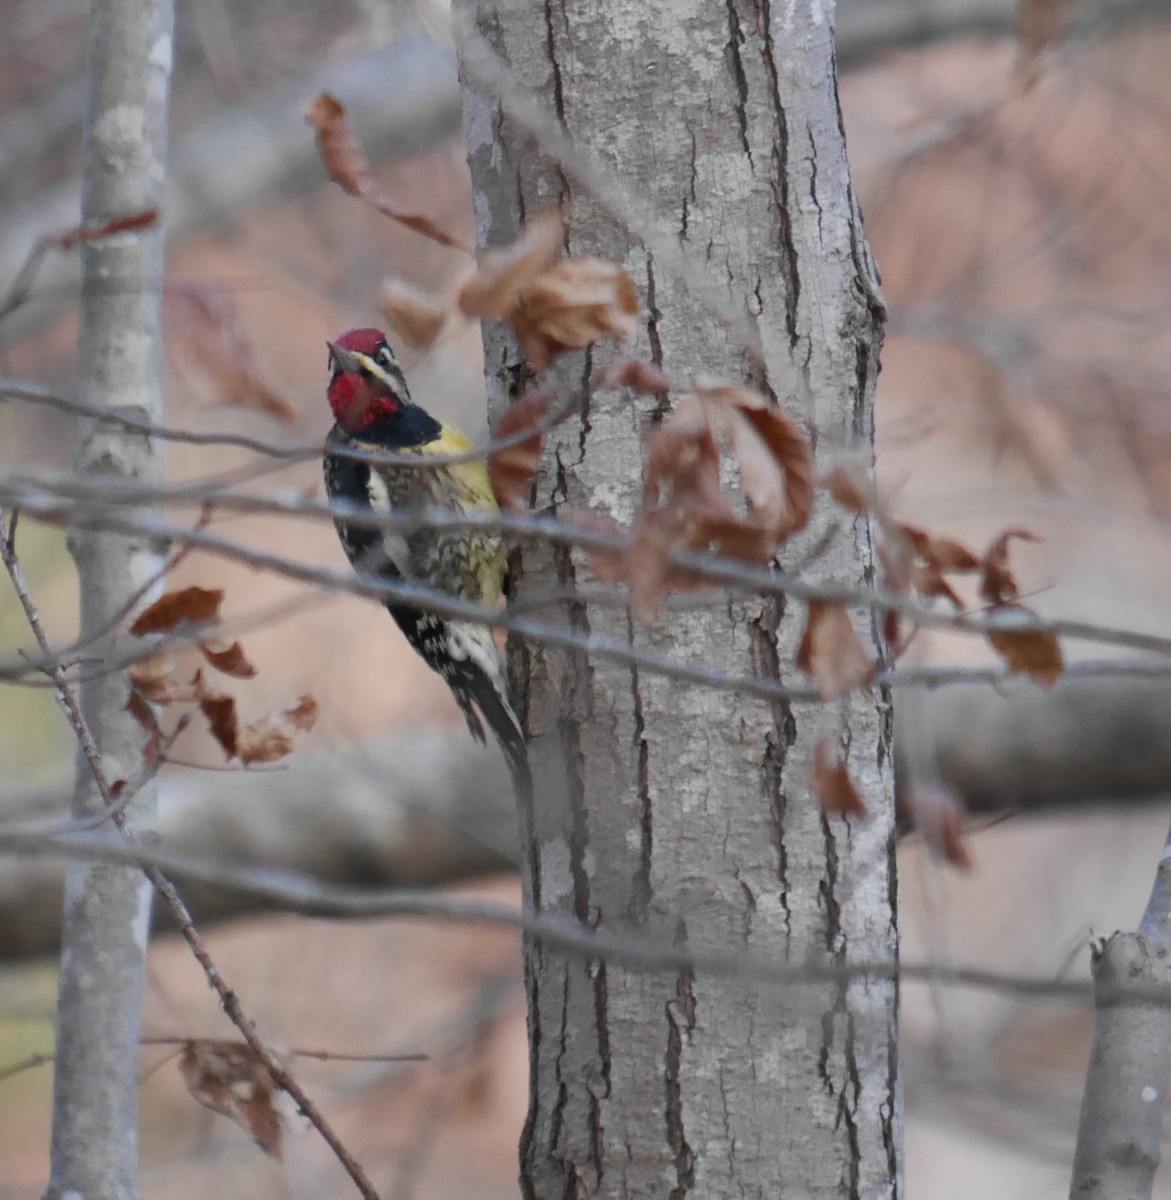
(662, 809)
(107, 909)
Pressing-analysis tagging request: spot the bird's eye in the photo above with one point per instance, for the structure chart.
(383, 356)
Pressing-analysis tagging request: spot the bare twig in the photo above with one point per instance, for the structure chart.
(228, 999)
(299, 893)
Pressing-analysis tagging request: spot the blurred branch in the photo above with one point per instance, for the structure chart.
(403, 99)
(868, 28)
(423, 807)
(1121, 1127)
(1018, 748)
(650, 953)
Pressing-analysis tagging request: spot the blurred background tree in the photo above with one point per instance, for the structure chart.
(1010, 162)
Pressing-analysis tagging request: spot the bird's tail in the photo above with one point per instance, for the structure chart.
(475, 675)
(505, 725)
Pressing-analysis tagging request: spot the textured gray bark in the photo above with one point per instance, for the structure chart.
(664, 809)
(106, 910)
(1121, 1125)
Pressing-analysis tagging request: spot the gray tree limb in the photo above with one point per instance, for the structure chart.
(1121, 1125)
(106, 908)
(1021, 747)
(423, 807)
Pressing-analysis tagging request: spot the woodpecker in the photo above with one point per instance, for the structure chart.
(373, 411)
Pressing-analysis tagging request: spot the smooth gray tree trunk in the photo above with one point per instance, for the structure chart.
(107, 909)
(664, 810)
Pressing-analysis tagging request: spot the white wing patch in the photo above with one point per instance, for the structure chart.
(394, 544)
(475, 643)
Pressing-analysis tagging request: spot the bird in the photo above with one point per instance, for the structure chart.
(373, 412)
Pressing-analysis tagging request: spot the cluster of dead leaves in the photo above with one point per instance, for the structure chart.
(553, 304)
(215, 353)
(230, 1079)
(157, 680)
(728, 474)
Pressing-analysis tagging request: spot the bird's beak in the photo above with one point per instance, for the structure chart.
(347, 361)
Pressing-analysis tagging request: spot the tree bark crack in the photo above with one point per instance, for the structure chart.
(641, 891)
(683, 1005)
(736, 66)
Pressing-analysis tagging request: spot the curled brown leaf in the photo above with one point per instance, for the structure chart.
(936, 814)
(414, 313)
(220, 712)
(832, 652)
(552, 306)
(1033, 652)
(138, 708)
(831, 783)
(787, 446)
(608, 565)
(346, 165)
(230, 1079)
(156, 680)
(572, 305)
(197, 605)
(851, 486)
(501, 276)
(511, 468)
(271, 738)
(229, 659)
(642, 377)
(214, 351)
(998, 585)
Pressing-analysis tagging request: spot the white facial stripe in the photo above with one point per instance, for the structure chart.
(392, 375)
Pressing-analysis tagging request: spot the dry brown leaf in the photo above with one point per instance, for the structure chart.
(832, 652)
(832, 785)
(346, 165)
(155, 679)
(228, 1078)
(228, 658)
(942, 553)
(215, 352)
(1036, 653)
(684, 508)
(195, 604)
(785, 441)
(642, 377)
(220, 711)
(609, 566)
(928, 581)
(303, 714)
(572, 305)
(263, 741)
(511, 468)
(271, 738)
(936, 814)
(495, 287)
(851, 486)
(138, 708)
(416, 314)
(998, 585)
(116, 225)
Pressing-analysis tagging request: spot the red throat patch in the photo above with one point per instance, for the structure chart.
(358, 402)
